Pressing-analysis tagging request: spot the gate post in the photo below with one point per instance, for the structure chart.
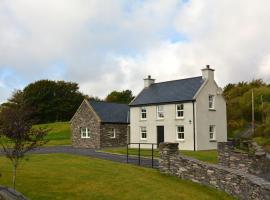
(167, 151)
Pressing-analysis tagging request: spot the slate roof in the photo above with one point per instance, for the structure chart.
(170, 91)
(111, 112)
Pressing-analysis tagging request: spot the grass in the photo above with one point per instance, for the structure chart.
(207, 156)
(59, 133)
(62, 176)
(263, 141)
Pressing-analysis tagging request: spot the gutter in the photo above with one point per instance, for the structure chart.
(194, 128)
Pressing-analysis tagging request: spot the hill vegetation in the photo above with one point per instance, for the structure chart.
(239, 108)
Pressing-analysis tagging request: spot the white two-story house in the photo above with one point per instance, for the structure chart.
(189, 111)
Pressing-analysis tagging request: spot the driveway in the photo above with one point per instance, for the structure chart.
(145, 162)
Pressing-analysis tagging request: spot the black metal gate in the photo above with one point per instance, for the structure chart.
(152, 145)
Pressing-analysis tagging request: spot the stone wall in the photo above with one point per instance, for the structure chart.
(235, 182)
(253, 161)
(85, 117)
(121, 131)
(10, 194)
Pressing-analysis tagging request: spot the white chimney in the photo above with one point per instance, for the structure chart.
(208, 73)
(148, 81)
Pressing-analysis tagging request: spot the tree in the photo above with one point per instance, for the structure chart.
(17, 137)
(124, 96)
(52, 100)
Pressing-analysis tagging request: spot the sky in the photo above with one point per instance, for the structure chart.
(106, 45)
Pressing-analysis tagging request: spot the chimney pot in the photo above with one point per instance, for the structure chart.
(149, 76)
(207, 66)
(148, 81)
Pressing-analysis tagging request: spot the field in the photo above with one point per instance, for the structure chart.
(62, 176)
(59, 133)
(207, 156)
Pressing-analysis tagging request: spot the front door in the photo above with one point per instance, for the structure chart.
(160, 134)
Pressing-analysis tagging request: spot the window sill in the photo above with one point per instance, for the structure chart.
(180, 140)
(160, 119)
(181, 118)
(143, 119)
(142, 139)
(85, 137)
(112, 137)
(211, 109)
(212, 140)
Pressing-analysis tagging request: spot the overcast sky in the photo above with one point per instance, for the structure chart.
(107, 45)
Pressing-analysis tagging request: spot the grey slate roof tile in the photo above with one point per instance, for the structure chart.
(170, 91)
(111, 112)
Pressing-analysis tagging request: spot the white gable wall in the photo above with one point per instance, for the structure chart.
(169, 122)
(206, 117)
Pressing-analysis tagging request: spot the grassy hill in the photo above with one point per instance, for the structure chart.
(59, 133)
(62, 176)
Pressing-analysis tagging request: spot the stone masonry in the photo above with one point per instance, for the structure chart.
(235, 182)
(254, 161)
(120, 138)
(85, 117)
(99, 132)
(10, 194)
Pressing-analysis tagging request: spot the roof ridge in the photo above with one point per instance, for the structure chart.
(102, 101)
(176, 80)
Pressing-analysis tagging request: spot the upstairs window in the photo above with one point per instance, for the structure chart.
(211, 99)
(180, 111)
(143, 113)
(85, 133)
(212, 132)
(143, 133)
(180, 132)
(112, 133)
(160, 112)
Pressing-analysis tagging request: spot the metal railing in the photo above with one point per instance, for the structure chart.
(139, 151)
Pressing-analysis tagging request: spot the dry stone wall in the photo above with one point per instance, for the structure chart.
(235, 182)
(253, 161)
(10, 194)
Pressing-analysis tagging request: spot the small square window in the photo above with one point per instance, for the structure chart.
(180, 132)
(85, 133)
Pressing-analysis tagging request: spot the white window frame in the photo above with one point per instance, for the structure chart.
(212, 133)
(86, 131)
(180, 133)
(112, 133)
(179, 111)
(143, 111)
(143, 130)
(159, 111)
(211, 102)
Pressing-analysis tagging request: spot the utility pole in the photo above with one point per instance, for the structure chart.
(262, 109)
(253, 122)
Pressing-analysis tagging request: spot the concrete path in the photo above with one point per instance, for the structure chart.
(145, 162)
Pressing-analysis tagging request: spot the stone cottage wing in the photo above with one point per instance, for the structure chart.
(170, 91)
(111, 112)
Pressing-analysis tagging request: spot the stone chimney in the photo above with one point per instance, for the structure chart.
(148, 81)
(208, 73)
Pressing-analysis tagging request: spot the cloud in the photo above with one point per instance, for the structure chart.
(106, 45)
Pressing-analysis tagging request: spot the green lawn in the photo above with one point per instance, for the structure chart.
(59, 133)
(207, 156)
(62, 176)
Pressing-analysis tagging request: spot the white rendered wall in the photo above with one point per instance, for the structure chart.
(169, 122)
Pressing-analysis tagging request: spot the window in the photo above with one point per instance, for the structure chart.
(180, 111)
(211, 102)
(143, 133)
(180, 133)
(143, 113)
(212, 132)
(160, 112)
(112, 133)
(85, 133)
